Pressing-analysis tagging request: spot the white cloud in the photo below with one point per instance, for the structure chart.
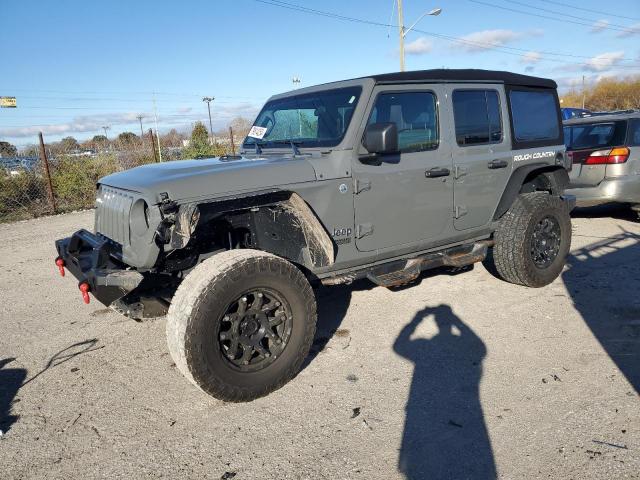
(488, 39)
(184, 110)
(419, 46)
(604, 61)
(599, 26)
(531, 57)
(632, 30)
(122, 121)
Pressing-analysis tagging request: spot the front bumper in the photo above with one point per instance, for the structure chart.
(90, 259)
(611, 190)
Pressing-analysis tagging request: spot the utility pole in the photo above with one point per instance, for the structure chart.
(296, 82)
(583, 92)
(208, 100)
(155, 114)
(403, 31)
(140, 117)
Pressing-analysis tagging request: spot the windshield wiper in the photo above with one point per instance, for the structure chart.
(294, 145)
(257, 146)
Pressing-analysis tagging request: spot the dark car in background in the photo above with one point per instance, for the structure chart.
(605, 154)
(570, 112)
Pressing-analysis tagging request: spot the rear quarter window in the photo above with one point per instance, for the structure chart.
(534, 117)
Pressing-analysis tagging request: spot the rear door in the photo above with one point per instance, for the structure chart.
(481, 152)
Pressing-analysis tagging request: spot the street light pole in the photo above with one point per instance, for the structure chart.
(105, 128)
(209, 100)
(403, 31)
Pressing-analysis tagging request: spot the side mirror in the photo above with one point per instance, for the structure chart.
(381, 138)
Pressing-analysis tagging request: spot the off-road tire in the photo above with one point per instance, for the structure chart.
(195, 316)
(511, 259)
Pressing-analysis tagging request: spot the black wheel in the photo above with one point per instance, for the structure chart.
(241, 324)
(532, 240)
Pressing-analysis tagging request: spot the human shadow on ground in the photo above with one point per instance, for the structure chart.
(445, 436)
(603, 280)
(10, 382)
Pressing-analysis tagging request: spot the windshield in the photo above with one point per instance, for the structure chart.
(318, 119)
(595, 135)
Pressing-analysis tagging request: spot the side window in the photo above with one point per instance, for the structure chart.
(534, 115)
(477, 117)
(415, 115)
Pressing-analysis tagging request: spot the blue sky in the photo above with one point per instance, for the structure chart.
(75, 66)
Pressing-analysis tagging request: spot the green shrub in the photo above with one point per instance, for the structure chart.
(22, 196)
(74, 180)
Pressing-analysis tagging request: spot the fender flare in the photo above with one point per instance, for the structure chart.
(282, 222)
(556, 176)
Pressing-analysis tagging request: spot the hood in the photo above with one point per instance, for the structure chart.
(195, 179)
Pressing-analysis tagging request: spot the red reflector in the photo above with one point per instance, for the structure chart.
(85, 288)
(608, 157)
(60, 264)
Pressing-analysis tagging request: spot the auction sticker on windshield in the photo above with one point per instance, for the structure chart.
(257, 132)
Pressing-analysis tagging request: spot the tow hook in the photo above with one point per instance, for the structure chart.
(85, 289)
(60, 264)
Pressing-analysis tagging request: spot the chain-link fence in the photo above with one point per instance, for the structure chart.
(28, 190)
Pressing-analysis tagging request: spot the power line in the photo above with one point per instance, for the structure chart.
(94, 92)
(113, 99)
(591, 20)
(486, 45)
(589, 10)
(547, 17)
(506, 47)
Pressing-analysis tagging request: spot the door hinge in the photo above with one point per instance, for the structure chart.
(459, 171)
(460, 211)
(364, 229)
(361, 185)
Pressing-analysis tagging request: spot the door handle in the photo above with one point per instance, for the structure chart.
(493, 164)
(437, 172)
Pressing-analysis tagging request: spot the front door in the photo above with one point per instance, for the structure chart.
(405, 198)
(482, 157)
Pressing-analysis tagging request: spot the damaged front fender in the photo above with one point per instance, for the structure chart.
(279, 222)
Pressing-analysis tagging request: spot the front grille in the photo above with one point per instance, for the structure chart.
(112, 214)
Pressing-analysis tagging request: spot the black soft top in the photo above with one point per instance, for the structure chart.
(464, 75)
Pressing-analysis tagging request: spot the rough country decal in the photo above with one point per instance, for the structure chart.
(533, 156)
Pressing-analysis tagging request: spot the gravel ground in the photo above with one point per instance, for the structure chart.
(460, 376)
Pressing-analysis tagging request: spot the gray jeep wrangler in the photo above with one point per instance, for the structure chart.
(378, 177)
